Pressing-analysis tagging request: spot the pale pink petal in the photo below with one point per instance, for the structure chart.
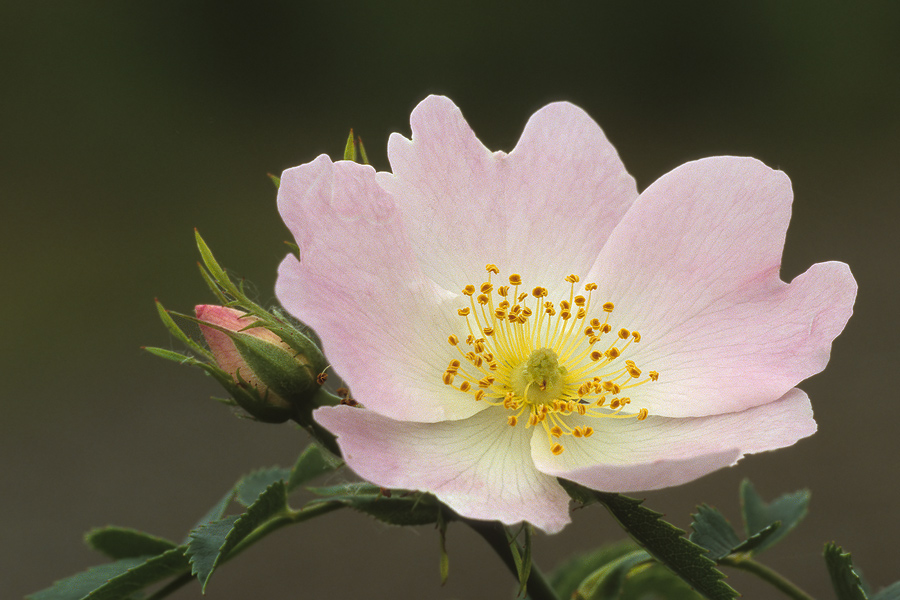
(480, 467)
(383, 325)
(627, 455)
(694, 266)
(556, 196)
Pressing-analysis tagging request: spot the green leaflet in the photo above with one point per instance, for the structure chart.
(121, 542)
(398, 508)
(117, 580)
(788, 510)
(665, 542)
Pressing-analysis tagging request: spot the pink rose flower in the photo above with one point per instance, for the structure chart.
(507, 319)
(228, 357)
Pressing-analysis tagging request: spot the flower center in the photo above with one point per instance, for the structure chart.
(550, 361)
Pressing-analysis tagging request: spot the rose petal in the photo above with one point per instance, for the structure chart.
(384, 326)
(627, 455)
(694, 267)
(480, 467)
(559, 193)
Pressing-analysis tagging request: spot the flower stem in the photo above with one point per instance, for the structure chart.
(537, 587)
(766, 574)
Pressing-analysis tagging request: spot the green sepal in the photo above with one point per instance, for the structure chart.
(665, 542)
(117, 580)
(362, 152)
(180, 335)
(607, 582)
(122, 542)
(398, 508)
(521, 556)
(444, 563)
(211, 543)
(788, 509)
(295, 249)
(275, 179)
(844, 578)
(314, 461)
(255, 483)
(350, 148)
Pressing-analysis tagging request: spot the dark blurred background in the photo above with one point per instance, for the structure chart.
(125, 125)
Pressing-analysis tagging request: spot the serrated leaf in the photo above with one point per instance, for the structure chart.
(398, 508)
(215, 512)
(568, 576)
(314, 461)
(607, 582)
(117, 580)
(713, 531)
(663, 541)
(350, 148)
(211, 543)
(845, 580)
(788, 509)
(122, 542)
(891, 592)
(251, 486)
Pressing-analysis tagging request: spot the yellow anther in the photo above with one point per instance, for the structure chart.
(596, 324)
(636, 336)
(453, 340)
(653, 375)
(565, 315)
(533, 419)
(447, 378)
(455, 364)
(605, 328)
(573, 278)
(503, 290)
(491, 268)
(564, 305)
(556, 431)
(577, 432)
(515, 279)
(550, 310)
(589, 331)
(522, 296)
(596, 355)
(616, 403)
(499, 313)
(479, 395)
(613, 352)
(486, 382)
(642, 414)
(580, 300)
(492, 366)
(489, 331)
(571, 406)
(482, 299)
(633, 371)
(556, 449)
(624, 334)
(526, 312)
(486, 287)
(469, 290)
(512, 420)
(539, 292)
(588, 431)
(581, 313)
(503, 305)
(464, 386)
(463, 311)
(601, 400)
(609, 307)
(581, 409)
(470, 338)
(590, 287)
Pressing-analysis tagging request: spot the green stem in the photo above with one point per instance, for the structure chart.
(537, 587)
(766, 574)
